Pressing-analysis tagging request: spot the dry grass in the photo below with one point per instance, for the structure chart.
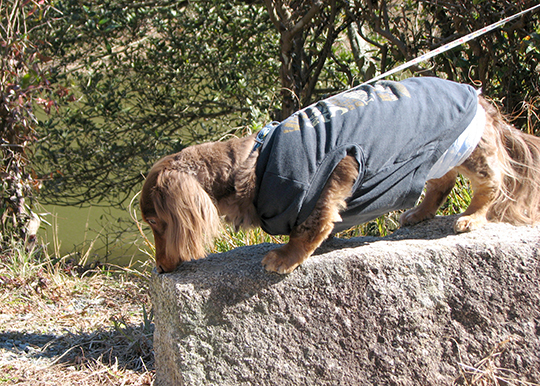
(89, 374)
(487, 371)
(60, 325)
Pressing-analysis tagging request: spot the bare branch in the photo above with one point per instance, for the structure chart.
(314, 10)
(271, 9)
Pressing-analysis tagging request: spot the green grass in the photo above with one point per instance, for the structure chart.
(18, 263)
(230, 239)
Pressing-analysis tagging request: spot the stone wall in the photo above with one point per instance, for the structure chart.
(420, 307)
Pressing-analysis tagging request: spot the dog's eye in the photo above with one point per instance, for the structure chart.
(151, 221)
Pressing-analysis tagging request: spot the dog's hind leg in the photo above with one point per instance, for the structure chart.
(306, 237)
(484, 171)
(436, 192)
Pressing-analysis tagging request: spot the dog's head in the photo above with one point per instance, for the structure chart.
(181, 214)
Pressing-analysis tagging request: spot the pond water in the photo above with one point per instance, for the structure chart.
(91, 234)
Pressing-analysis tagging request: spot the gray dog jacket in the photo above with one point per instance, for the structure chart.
(396, 131)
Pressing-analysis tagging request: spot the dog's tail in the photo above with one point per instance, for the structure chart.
(518, 200)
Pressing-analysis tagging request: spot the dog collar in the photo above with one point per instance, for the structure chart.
(259, 140)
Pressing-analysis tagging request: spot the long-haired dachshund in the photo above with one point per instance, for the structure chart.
(344, 161)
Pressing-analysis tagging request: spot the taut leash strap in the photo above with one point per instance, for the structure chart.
(451, 45)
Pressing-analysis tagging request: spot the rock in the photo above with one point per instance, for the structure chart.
(420, 307)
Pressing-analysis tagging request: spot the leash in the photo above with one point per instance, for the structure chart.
(450, 45)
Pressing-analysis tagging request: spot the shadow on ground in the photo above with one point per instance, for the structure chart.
(128, 346)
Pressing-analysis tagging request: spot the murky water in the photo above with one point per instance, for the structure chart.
(93, 234)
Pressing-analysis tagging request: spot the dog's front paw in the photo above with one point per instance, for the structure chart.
(280, 261)
(469, 223)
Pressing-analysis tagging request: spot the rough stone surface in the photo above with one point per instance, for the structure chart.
(420, 307)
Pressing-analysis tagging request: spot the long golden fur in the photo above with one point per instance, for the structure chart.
(186, 195)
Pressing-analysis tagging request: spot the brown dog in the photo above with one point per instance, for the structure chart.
(186, 194)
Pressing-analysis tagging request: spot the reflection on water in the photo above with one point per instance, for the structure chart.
(107, 235)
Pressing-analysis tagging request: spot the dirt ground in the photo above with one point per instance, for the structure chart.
(94, 329)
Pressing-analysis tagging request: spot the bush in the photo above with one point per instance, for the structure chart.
(23, 84)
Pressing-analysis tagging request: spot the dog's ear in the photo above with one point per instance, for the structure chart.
(190, 214)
